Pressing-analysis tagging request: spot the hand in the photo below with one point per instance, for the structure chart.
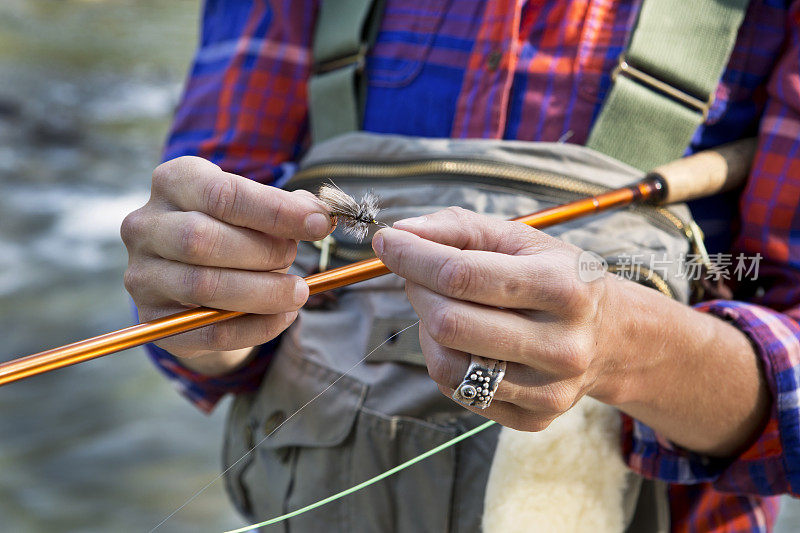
(506, 291)
(509, 292)
(214, 239)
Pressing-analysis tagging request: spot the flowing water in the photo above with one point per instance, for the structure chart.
(86, 91)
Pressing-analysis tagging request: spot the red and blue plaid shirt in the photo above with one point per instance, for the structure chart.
(536, 71)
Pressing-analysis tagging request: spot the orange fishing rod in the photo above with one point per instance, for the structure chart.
(696, 176)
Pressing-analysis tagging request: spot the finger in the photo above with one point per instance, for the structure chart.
(233, 334)
(522, 385)
(522, 282)
(468, 230)
(534, 339)
(446, 366)
(196, 238)
(219, 288)
(194, 184)
(507, 414)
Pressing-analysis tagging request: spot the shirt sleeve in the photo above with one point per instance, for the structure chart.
(206, 391)
(244, 102)
(771, 464)
(770, 213)
(244, 108)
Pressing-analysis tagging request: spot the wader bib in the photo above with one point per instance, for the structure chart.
(387, 410)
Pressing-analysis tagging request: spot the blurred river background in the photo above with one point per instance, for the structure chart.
(87, 89)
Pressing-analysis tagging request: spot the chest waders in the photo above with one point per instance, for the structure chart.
(387, 410)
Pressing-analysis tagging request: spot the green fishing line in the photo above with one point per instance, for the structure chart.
(368, 482)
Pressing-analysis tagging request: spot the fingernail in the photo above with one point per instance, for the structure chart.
(300, 292)
(317, 224)
(377, 244)
(414, 221)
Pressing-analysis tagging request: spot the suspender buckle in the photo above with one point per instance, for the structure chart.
(651, 82)
(358, 58)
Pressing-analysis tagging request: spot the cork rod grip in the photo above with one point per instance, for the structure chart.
(706, 173)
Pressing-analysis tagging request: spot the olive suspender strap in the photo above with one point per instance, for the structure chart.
(336, 90)
(665, 82)
(662, 90)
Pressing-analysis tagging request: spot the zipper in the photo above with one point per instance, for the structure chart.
(486, 172)
(432, 168)
(483, 172)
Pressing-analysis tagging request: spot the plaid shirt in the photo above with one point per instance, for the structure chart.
(537, 71)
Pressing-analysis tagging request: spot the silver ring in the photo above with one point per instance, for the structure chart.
(480, 382)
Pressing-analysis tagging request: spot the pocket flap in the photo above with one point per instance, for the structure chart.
(293, 382)
(395, 341)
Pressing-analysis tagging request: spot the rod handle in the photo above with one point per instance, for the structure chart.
(708, 172)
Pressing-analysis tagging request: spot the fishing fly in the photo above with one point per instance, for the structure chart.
(352, 215)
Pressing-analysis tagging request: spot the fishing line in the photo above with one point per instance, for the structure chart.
(248, 452)
(368, 482)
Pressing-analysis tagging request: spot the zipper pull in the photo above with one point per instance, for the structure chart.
(326, 247)
(695, 235)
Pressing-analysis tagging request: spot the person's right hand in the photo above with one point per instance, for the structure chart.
(214, 239)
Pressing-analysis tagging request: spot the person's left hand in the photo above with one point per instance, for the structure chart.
(505, 291)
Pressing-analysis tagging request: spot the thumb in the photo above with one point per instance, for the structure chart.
(468, 230)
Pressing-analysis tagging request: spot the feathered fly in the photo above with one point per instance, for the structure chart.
(353, 216)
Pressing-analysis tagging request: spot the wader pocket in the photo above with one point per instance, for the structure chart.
(306, 455)
(416, 499)
(335, 443)
(443, 493)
